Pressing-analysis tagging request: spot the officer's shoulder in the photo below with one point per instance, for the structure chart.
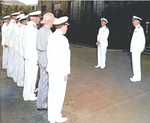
(139, 27)
(31, 26)
(106, 27)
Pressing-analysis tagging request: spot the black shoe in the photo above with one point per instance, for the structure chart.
(40, 109)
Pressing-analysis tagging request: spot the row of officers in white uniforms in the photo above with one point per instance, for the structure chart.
(25, 47)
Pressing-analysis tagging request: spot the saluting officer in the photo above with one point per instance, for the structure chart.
(6, 20)
(31, 56)
(102, 43)
(136, 48)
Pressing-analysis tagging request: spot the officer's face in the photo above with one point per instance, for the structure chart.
(38, 20)
(6, 21)
(14, 18)
(103, 23)
(136, 22)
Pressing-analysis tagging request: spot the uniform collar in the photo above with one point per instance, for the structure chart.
(18, 23)
(137, 26)
(5, 24)
(103, 26)
(59, 31)
(13, 20)
(31, 22)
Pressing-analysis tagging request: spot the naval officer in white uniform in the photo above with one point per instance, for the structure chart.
(58, 67)
(102, 43)
(16, 31)
(21, 63)
(31, 56)
(4, 29)
(136, 48)
(10, 43)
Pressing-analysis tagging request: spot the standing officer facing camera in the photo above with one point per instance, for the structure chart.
(102, 44)
(136, 48)
(58, 55)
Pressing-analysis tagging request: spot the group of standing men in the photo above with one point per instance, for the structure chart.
(136, 47)
(25, 48)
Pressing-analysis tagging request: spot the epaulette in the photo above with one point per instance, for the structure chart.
(106, 28)
(34, 26)
(139, 27)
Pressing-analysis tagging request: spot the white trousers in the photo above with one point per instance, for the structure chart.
(136, 65)
(101, 55)
(10, 65)
(56, 95)
(21, 71)
(16, 66)
(5, 57)
(31, 69)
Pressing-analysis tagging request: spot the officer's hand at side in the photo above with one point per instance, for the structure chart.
(5, 46)
(66, 78)
(97, 43)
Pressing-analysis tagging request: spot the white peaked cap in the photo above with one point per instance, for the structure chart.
(25, 17)
(104, 19)
(136, 18)
(36, 13)
(19, 16)
(6, 17)
(61, 20)
(15, 14)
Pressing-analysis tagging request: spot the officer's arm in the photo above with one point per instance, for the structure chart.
(142, 39)
(105, 35)
(98, 38)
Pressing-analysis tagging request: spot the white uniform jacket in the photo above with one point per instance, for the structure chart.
(10, 33)
(102, 36)
(138, 39)
(16, 31)
(20, 38)
(58, 54)
(4, 32)
(30, 33)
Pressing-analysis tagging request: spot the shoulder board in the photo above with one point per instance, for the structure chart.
(139, 27)
(34, 26)
(106, 28)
